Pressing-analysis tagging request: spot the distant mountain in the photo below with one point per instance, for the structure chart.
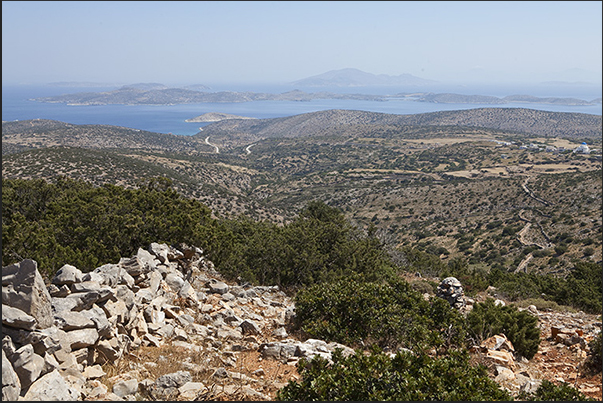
(145, 86)
(75, 84)
(197, 87)
(356, 78)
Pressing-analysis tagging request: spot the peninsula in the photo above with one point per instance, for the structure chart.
(215, 117)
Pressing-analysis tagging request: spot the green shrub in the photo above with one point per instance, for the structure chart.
(594, 362)
(423, 287)
(487, 319)
(353, 311)
(405, 377)
(548, 391)
(543, 304)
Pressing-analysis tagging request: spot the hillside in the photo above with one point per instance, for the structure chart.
(351, 214)
(449, 190)
(519, 121)
(39, 133)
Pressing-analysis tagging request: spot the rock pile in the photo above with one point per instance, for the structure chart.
(452, 291)
(57, 337)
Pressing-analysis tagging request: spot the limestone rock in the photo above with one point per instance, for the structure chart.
(24, 288)
(27, 364)
(11, 385)
(71, 320)
(81, 338)
(67, 275)
(218, 287)
(16, 318)
(125, 387)
(52, 386)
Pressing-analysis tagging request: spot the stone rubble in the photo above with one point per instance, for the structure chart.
(563, 348)
(57, 337)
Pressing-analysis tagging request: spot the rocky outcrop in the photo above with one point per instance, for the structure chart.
(57, 338)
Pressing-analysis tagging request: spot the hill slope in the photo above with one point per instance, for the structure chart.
(528, 122)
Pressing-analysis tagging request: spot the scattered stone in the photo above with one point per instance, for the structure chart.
(125, 387)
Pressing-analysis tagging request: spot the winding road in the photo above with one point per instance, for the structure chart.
(213, 145)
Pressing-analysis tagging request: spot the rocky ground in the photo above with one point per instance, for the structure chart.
(164, 325)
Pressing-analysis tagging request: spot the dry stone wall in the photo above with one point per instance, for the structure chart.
(57, 337)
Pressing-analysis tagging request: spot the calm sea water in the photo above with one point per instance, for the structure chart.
(16, 105)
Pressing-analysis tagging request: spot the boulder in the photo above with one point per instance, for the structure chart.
(47, 340)
(173, 380)
(24, 288)
(71, 320)
(99, 318)
(175, 281)
(191, 390)
(27, 364)
(67, 275)
(125, 387)
(112, 274)
(81, 338)
(14, 317)
(217, 286)
(11, 385)
(52, 387)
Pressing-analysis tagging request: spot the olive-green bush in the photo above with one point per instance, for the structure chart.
(405, 377)
(487, 319)
(549, 392)
(389, 313)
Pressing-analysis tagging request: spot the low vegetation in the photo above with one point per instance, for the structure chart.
(337, 218)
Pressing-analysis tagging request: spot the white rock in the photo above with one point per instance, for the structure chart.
(51, 386)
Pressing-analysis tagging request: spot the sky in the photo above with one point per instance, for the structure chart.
(209, 42)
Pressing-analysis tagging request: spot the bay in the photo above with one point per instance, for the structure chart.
(17, 105)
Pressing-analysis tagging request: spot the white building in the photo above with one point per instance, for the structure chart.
(582, 148)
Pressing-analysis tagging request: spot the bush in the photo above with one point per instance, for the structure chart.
(487, 319)
(548, 391)
(353, 311)
(405, 377)
(594, 362)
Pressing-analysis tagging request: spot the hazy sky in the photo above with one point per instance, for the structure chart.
(209, 42)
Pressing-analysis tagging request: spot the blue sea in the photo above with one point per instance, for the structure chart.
(17, 105)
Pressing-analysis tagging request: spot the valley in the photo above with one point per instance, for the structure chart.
(487, 194)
